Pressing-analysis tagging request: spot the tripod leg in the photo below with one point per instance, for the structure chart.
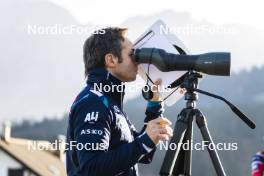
(188, 153)
(180, 133)
(183, 163)
(201, 122)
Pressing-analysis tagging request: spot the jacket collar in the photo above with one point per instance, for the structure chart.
(105, 80)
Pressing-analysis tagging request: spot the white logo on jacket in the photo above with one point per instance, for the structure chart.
(123, 126)
(117, 110)
(91, 117)
(92, 131)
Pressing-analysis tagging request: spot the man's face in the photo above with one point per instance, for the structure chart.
(126, 71)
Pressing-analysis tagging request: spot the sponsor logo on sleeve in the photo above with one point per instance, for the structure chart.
(92, 132)
(91, 117)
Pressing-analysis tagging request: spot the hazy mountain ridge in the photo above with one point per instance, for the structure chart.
(199, 36)
(41, 74)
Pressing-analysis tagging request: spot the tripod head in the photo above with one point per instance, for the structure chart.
(189, 81)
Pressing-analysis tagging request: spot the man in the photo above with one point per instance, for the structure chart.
(257, 165)
(97, 119)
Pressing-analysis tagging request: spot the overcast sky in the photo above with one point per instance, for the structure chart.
(114, 12)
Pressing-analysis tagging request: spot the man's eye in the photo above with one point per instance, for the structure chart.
(131, 54)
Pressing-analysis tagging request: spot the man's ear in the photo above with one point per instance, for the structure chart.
(110, 60)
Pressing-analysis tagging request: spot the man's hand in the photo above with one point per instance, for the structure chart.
(159, 129)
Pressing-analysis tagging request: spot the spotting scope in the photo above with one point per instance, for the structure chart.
(213, 63)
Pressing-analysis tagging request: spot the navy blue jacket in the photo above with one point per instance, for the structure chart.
(104, 142)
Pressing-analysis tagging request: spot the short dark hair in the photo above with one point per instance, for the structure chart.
(99, 44)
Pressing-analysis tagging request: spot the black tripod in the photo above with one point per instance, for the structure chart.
(179, 161)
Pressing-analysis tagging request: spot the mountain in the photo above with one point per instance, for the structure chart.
(200, 36)
(41, 67)
(41, 70)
